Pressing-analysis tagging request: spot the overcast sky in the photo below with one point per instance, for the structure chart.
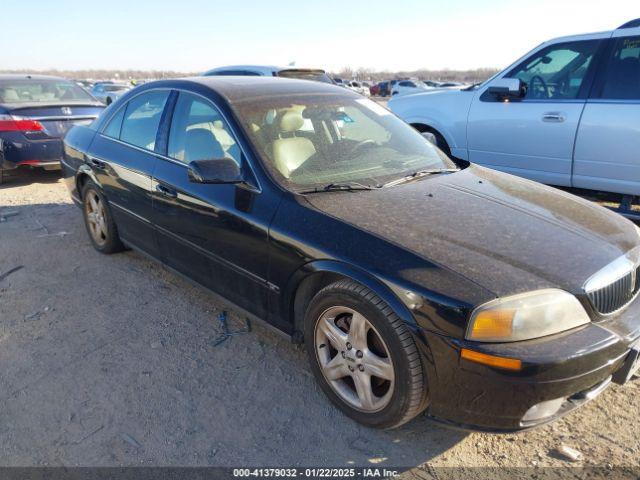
(194, 35)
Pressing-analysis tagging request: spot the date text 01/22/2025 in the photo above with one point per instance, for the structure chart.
(314, 472)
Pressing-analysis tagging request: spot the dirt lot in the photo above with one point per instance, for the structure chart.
(110, 360)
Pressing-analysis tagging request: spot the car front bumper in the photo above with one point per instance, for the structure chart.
(559, 374)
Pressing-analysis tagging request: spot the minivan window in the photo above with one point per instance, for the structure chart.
(198, 132)
(622, 77)
(142, 118)
(556, 72)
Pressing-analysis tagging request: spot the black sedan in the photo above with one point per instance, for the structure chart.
(35, 113)
(416, 283)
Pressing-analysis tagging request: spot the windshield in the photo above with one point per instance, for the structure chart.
(115, 88)
(314, 140)
(316, 75)
(45, 91)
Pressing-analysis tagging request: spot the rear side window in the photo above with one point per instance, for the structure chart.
(556, 72)
(142, 118)
(622, 76)
(198, 132)
(113, 128)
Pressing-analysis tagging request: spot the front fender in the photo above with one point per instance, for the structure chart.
(338, 269)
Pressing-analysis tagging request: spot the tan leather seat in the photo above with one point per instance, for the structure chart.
(9, 95)
(289, 152)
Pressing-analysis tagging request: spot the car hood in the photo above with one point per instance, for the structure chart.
(505, 233)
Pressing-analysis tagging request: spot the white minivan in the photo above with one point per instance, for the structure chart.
(566, 114)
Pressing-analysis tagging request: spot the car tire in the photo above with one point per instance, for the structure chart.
(98, 220)
(347, 363)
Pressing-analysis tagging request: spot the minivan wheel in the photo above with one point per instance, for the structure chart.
(99, 221)
(363, 356)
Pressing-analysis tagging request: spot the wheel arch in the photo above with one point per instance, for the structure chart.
(421, 126)
(314, 276)
(83, 175)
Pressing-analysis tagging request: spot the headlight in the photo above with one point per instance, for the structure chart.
(526, 316)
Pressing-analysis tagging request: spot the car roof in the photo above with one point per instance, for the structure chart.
(236, 89)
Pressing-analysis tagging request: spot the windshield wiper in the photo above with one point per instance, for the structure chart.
(420, 174)
(336, 187)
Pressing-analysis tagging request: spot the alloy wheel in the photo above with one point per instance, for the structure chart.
(354, 359)
(96, 217)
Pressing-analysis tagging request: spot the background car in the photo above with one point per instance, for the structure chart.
(384, 89)
(357, 87)
(35, 113)
(407, 87)
(565, 114)
(437, 288)
(315, 74)
(107, 92)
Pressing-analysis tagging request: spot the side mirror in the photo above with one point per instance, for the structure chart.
(430, 137)
(215, 170)
(508, 88)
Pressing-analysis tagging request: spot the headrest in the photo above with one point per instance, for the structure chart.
(200, 144)
(291, 121)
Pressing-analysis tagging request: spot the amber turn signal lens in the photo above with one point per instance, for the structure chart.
(491, 360)
(493, 324)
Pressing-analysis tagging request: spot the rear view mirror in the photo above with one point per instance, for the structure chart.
(215, 170)
(508, 88)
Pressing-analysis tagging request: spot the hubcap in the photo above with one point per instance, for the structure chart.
(96, 218)
(354, 359)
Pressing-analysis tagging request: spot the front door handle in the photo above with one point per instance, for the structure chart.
(166, 191)
(556, 117)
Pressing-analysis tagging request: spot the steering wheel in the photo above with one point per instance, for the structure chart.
(360, 145)
(538, 92)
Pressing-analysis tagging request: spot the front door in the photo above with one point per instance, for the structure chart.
(608, 145)
(534, 137)
(216, 234)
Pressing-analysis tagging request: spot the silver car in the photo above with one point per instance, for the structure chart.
(108, 92)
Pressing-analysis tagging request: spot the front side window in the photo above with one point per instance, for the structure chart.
(622, 78)
(556, 72)
(142, 119)
(316, 140)
(198, 132)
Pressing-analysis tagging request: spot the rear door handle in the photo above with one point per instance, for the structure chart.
(96, 163)
(556, 117)
(166, 191)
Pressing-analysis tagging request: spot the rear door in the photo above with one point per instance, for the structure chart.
(123, 157)
(214, 234)
(608, 144)
(534, 137)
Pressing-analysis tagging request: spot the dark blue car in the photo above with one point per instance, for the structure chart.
(35, 113)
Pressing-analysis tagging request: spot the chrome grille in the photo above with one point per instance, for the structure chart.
(617, 294)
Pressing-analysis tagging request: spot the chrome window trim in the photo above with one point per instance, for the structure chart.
(65, 117)
(257, 189)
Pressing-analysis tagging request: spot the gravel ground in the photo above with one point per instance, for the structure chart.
(110, 360)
